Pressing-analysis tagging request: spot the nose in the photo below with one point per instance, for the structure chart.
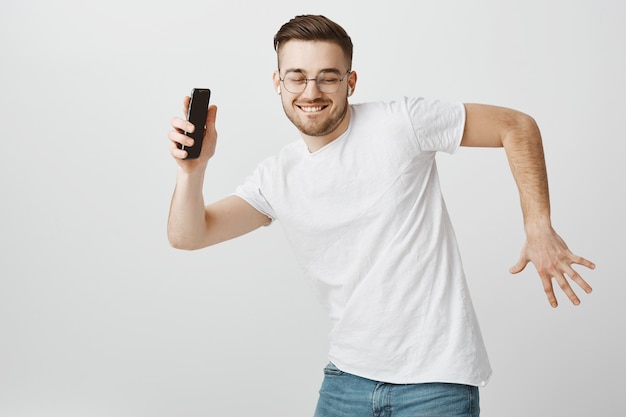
(311, 89)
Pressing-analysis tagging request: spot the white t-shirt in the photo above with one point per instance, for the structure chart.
(368, 224)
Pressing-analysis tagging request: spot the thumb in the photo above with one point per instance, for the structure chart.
(519, 266)
(211, 114)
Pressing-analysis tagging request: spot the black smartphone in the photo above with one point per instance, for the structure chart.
(198, 107)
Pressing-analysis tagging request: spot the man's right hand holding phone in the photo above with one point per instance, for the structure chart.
(187, 226)
(178, 137)
(192, 225)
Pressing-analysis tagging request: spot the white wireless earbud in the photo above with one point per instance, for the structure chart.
(278, 90)
(349, 90)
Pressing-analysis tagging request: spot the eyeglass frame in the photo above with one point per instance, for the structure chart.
(316, 79)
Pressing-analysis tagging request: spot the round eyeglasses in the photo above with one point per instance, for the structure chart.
(327, 82)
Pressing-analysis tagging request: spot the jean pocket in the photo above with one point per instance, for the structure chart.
(332, 370)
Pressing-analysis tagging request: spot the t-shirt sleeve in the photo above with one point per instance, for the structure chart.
(438, 125)
(251, 191)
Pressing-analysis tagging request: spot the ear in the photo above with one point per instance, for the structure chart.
(276, 81)
(352, 82)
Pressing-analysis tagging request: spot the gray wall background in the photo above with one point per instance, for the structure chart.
(100, 317)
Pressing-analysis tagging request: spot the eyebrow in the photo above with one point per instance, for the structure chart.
(321, 71)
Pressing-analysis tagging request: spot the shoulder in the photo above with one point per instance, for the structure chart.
(408, 105)
(388, 106)
(415, 110)
(430, 124)
(400, 113)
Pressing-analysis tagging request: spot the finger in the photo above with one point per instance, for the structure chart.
(176, 152)
(186, 102)
(211, 114)
(575, 276)
(549, 290)
(579, 260)
(567, 289)
(179, 138)
(519, 266)
(181, 125)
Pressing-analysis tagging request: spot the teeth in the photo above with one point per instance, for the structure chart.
(311, 109)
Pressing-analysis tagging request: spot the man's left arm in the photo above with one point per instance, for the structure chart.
(491, 126)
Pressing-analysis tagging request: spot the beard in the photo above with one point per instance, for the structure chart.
(321, 127)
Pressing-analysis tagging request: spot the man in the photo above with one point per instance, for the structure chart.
(359, 200)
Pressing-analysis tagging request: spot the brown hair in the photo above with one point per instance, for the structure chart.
(314, 28)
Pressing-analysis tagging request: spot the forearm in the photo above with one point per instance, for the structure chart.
(186, 226)
(524, 149)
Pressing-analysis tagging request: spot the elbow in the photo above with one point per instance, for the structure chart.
(521, 126)
(528, 124)
(178, 242)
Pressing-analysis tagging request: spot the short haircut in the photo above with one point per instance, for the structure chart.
(314, 28)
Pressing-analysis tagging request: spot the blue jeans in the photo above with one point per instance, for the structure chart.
(347, 395)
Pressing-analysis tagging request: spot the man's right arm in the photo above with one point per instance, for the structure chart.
(191, 224)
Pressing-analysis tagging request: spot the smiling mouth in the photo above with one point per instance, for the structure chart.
(312, 109)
